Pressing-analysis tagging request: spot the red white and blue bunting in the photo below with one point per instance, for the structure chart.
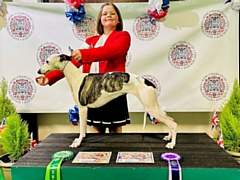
(74, 10)
(156, 12)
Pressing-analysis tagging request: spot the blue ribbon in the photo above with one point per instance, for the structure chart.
(73, 115)
(76, 16)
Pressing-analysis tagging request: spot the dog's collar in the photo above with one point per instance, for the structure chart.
(65, 66)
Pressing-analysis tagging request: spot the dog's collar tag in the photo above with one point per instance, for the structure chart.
(174, 168)
(53, 168)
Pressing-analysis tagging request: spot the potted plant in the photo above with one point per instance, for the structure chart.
(230, 121)
(13, 134)
(15, 137)
(6, 107)
(14, 140)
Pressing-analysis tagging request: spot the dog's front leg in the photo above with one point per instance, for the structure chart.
(83, 126)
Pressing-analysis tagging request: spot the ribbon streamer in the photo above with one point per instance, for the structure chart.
(53, 171)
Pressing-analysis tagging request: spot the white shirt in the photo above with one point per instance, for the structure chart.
(101, 41)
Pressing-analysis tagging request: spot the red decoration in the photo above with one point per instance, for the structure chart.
(158, 14)
(75, 3)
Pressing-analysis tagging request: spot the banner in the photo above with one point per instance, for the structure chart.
(191, 55)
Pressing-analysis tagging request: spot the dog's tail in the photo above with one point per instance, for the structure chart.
(144, 119)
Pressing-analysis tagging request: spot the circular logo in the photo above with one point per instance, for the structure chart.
(182, 55)
(215, 24)
(144, 29)
(45, 50)
(20, 26)
(86, 28)
(214, 87)
(155, 81)
(22, 89)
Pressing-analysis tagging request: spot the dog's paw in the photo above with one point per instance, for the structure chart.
(167, 138)
(75, 143)
(169, 146)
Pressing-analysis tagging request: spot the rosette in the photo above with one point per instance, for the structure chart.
(175, 171)
(73, 115)
(53, 171)
(74, 10)
(153, 119)
(154, 11)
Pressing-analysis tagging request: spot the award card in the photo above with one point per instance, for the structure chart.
(135, 157)
(92, 157)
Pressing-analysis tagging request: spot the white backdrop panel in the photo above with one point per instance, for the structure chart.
(180, 89)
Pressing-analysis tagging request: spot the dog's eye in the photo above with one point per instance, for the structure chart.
(47, 62)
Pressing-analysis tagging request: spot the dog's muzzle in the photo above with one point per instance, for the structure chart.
(39, 71)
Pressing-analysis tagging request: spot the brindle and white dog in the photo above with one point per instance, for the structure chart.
(95, 90)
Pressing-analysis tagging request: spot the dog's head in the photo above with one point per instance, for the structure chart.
(53, 62)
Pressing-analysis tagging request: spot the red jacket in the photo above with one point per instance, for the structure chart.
(111, 56)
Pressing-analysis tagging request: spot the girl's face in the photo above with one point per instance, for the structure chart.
(109, 18)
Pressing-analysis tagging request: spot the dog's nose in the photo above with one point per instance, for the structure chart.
(39, 71)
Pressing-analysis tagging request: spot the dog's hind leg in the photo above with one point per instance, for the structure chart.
(148, 97)
(83, 126)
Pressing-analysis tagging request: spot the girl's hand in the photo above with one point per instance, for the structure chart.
(76, 54)
(42, 80)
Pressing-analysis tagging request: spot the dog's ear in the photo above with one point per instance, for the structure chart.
(64, 57)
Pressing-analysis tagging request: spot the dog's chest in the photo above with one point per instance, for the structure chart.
(93, 84)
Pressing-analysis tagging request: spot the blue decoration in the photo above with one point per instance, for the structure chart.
(76, 16)
(153, 119)
(73, 115)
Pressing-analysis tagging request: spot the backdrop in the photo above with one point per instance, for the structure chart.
(191, 55)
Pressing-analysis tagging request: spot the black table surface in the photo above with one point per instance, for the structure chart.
(198, 150)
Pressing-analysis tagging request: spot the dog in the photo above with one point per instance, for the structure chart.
(94, 90)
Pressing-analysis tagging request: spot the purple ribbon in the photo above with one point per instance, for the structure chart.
(76, 16)
(174, 168)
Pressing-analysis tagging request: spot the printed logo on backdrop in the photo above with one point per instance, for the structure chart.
(182, 55)
(155, 81)
(144, 29)
(20, 26)
(128, 59)
(214, 87)
(22, 89)
(45, 50)
(86, 28)
(215, 24)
